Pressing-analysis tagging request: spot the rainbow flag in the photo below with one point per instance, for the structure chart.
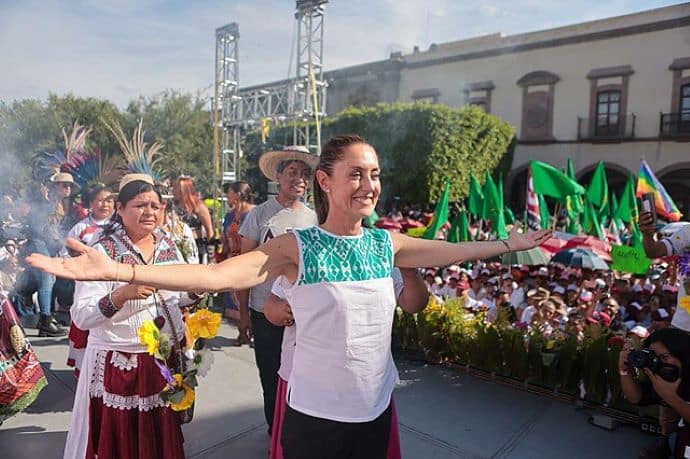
(648, 183)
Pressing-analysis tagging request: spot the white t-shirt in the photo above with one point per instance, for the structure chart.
(677, 242)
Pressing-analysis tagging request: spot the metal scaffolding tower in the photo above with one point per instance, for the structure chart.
(301, 100)
(308, 90)
(227, 110)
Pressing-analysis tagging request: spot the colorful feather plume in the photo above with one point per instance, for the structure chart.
(48, 164)
(139, 156)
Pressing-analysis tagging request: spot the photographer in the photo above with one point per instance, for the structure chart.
(665, 359)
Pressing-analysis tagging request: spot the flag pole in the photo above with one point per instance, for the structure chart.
(555, 216)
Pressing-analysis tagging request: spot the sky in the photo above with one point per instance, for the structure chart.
(121, 49)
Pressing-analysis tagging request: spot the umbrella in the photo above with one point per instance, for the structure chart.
(388, 223)
(552, 246)
(531, 257)
(580, 258)
(601, 248)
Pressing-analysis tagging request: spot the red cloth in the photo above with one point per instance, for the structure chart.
(276, 449)
(116, 433)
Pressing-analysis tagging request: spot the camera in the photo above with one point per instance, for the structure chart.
(647, 358)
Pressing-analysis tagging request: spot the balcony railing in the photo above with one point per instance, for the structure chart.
(674, 124)
(606, 127)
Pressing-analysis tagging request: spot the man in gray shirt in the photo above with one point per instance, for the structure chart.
(292, 168)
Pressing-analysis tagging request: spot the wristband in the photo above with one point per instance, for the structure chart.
(506, 244)
(623, 372)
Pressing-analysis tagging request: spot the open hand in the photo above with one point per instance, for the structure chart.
(90, 265)
(524, 241)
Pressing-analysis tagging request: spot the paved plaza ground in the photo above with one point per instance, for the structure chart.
(444, 414)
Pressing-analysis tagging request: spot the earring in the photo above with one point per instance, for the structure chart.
(327, 190)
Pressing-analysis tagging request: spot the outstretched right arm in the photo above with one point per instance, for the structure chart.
(268, 261)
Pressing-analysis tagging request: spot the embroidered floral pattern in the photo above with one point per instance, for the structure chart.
(328, 258)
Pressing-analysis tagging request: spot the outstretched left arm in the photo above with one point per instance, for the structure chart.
(421, 253)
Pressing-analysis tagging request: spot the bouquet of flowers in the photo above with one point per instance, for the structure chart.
(196, 360)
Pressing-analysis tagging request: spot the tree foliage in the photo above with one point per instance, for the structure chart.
(180, 121)
(418, 146)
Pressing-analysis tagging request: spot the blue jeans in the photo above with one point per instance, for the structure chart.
(35, 280)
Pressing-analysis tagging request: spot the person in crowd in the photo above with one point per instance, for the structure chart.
(343, 373)
(668, 382)
(292, 169)
(48, 221)
(412, 296)
(240, 200)
(180, 232)
(101, 205)
(194, 213)
(118, 412)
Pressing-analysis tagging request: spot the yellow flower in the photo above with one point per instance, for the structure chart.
(187, 399)
(149, 336)
(203, 324)
(684, 302)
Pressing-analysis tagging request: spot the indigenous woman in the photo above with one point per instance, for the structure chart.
(342, 296)
(193, 212)
(101, 205)
(118, 412)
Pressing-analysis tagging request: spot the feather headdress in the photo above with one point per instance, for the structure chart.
(89, 169)
(48, 164)
(141, 159)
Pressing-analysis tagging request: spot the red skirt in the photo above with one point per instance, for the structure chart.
(127, 418)
(276, 449)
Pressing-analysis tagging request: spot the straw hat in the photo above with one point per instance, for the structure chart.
(269, 161)
(129, 178)
(65, 177)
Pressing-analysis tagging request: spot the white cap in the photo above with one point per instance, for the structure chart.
(600, 282)
(558, 289)
(640, 331)
(438, 280)
(544, 271)
(572, 288)
(637, 288)
(649, 287)
(506, 276)
(637, 305)
(586, 295)
(453, 268)
(662, 313)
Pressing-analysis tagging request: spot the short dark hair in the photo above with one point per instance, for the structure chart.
(285, 163)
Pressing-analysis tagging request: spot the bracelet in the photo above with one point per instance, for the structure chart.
(623, 372)
(506, 244)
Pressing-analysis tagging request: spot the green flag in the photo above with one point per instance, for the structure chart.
(627, 207)
(549, 181)
(509, 216)
(590, 222)
(617, 223)
(475, 202)
(493, 207)
(544, 215)
(573, 204)
(460, 228)
(440, 214)
(598, 189)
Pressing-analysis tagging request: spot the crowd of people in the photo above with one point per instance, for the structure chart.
(314, 291)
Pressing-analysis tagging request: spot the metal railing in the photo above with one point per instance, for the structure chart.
(606, 127)
(674, 124)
